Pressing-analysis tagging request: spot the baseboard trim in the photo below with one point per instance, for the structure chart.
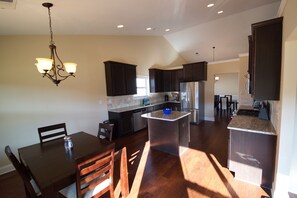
(209, 118)
(6, 169)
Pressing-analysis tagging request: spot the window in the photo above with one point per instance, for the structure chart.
(142, 85)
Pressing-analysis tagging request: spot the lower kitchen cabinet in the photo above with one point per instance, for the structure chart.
(123, 123)
(252, 157)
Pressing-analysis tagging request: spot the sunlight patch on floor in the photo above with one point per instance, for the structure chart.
(140, 170)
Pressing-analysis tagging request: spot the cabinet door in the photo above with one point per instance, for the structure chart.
(114, 71)
(130, 79)
(199, 71)
(166, 80)
(126, 123)
(156, 80)
(188, 74)
(195, 71)
(123, 123)
(174, 80)
(267, 42)
(120, 78)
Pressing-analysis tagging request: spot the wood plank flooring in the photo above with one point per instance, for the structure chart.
(200, 172)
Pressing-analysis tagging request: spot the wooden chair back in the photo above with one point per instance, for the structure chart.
(22, 171)
(95, 175)
(121, 156)
(52, 132)
(105, 131)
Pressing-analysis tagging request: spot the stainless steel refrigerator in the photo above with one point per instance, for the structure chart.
(192, 100)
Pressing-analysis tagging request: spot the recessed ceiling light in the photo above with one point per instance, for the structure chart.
(149, 28)
(167, 30)
(210, 5)
(120, 26)
(220, 12)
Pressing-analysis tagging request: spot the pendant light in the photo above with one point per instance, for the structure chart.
(53, 67)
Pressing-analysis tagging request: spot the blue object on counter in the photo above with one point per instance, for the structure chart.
(146, 101)
(167, 111)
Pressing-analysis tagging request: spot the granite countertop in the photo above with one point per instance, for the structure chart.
(159, 115)
(251, 124)
(131, 108)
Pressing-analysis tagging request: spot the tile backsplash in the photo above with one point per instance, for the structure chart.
(131, 100)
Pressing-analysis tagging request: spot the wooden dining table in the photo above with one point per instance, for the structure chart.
(52, 166)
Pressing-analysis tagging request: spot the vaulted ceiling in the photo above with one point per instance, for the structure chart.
(194, 28)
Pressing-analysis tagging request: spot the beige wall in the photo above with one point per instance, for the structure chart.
(28, 101)
(239, 66)
(287, 138)
(227, 84)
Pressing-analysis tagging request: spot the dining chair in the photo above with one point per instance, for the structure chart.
(31, 188)
(229, 101)
(223, 104)
(105, 131)
(120, 155)
(52, 132)
(94, 176)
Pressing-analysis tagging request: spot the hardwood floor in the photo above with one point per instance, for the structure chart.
(200, 172)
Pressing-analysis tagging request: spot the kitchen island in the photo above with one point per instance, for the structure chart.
(169, 133)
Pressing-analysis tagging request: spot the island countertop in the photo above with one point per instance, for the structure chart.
(159, 115)
(251, 124)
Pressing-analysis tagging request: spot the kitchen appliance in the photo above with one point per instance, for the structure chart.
(192, 100)
(175, 96)
(139, 122)
(166, 97)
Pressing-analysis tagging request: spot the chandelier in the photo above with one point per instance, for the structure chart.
(53, 67)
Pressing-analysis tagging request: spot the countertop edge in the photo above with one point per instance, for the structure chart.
(252, 131)
(164, 119)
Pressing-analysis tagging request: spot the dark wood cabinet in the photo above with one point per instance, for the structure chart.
(176, 78)
(252, 157)
(120, 78)
(123, 123)
(156, 80)
(165, 80)
(130, 74)
(195, 71)
(265, 65)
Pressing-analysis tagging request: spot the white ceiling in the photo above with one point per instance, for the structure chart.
(100, 17)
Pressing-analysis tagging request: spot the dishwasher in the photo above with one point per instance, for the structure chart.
(139, 122)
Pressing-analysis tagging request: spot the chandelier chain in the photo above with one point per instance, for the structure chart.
(50, 26)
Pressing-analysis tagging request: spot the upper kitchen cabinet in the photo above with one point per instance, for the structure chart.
(177, 76)
(156, 80)
(265, 60)
(195, 71)
(165, 80)
(120, 78)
